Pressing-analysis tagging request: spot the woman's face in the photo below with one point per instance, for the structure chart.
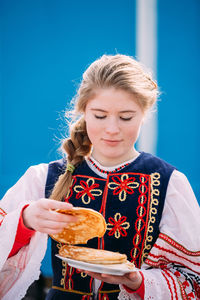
(113, 121)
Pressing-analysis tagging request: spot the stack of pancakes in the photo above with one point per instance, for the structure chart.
(89, 224)
(93, 256)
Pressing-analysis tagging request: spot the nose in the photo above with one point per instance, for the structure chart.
(112, 126)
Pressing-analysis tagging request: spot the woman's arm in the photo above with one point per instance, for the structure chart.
(39, 215)
(29, 188)
(18, 271)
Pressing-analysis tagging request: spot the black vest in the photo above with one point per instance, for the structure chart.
(131, 200)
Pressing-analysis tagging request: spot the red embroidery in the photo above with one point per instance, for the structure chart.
(164, 259)
(86, 297)
(69, 282)
(71, 190)
(177, 246)
(86, 190)
(174, 253)
(191, 295)
(117, 226)
(173, 281)
(177, 274)
(168, 284)
(185, 284)
(140, 223)
(183, 293)
(197, 289)
(123, 185)
(107, 172)
(2, 214)
(161, 263)
(103, 297)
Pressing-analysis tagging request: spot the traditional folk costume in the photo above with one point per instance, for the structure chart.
(152, 216)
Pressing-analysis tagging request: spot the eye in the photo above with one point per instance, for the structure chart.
(126, 119)
(99, 117)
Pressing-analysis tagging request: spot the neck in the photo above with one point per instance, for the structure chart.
(111, 162)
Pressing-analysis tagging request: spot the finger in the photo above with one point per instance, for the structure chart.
(106, 277)
(59, 217)
(93, 274)
(114, 279)
(52, 225)
(54, 204)
(48, 231)
(48, 228)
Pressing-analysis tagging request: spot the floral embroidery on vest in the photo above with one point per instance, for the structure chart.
(123, 186)
(117, 226)
(87, 190)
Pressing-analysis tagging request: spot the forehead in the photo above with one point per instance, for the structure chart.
(112, 99)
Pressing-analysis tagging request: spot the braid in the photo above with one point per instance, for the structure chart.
(76, 147)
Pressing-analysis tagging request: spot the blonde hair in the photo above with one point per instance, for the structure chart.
(109, 71)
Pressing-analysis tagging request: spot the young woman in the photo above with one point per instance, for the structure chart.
(151, 212)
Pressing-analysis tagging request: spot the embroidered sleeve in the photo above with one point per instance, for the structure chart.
(2, 215)
(30, 187)
(20, 270)
(22, 237)
(170, 272)
(176, 273)
(124, 295)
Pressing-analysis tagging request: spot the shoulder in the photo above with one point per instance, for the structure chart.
(180, 185)
(60, 163)
(156, 161)
(149, 164)
(29, 187)
(37, 170)
(57, 167)
(180, 218)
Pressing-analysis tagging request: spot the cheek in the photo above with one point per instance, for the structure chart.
(132, 132)
(92, 130)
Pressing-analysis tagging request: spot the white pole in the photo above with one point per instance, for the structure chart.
(146, 52)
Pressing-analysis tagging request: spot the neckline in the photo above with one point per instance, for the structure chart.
(104, 171)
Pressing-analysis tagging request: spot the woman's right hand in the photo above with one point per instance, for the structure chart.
(41, 216)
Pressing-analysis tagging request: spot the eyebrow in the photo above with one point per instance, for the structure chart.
(122, 111)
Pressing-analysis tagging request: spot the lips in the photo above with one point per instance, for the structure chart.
(111, 142)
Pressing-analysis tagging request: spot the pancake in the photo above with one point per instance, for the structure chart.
(90, 255)
(90, 224)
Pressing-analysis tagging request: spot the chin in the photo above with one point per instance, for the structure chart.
(112, 157)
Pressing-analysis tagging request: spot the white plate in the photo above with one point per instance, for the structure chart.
(114, 269)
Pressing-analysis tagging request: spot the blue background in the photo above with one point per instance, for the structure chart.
(46, 45)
